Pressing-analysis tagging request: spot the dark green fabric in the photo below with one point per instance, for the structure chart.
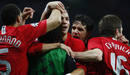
(52, 63)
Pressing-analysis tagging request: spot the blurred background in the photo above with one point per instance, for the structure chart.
(95, 9)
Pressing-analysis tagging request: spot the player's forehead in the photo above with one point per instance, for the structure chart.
(65, 15)
(78, 26)
(78, 23)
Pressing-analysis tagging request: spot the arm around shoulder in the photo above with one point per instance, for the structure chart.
(93, 55)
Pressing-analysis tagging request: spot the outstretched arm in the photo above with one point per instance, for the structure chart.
(89, 55)
(50, 46)
(37, 47)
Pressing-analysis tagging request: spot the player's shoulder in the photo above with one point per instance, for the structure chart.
(96, 38)
(99, 38)
(27, 26)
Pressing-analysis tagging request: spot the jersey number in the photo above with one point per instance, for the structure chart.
(116, 64)
(6, 63)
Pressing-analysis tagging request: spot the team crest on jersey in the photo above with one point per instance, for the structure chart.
(34, 24)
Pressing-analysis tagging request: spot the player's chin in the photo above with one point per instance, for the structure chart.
(64, 32)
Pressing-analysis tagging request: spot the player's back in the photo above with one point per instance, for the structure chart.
(14, 42)
(13, 51)
(116, 56)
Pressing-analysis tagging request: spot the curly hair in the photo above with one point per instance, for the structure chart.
(86, 21)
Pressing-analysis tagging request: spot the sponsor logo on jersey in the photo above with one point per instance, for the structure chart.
(34, 24)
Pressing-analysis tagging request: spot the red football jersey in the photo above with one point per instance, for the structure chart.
(77, 46)
(116, 57)
(14, 43)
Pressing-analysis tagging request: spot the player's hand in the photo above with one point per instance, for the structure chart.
(67, 49)
(27, 12)
(123, 39)
(55, 5)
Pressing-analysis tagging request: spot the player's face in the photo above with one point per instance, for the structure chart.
(65, 23)
(79, 30)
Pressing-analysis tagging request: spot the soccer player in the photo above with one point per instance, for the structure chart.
(15, 39)
(82, 27)
(45, 47)
(109, 56)
(50, 43)
(56, 61)
(74, 44)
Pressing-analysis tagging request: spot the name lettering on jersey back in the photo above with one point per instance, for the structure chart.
(111, 45)
(10, 40)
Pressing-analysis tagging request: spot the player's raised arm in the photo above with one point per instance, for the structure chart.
(54, 20)
(52, 5)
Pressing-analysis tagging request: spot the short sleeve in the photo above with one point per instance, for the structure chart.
(40, 28)
(31, 31)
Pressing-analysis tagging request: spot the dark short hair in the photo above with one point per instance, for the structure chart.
(9, 14)
(108, 25)
(53, 36)
(85, 20)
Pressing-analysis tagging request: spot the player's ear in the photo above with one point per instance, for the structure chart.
(116, 31)
(18, 19)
